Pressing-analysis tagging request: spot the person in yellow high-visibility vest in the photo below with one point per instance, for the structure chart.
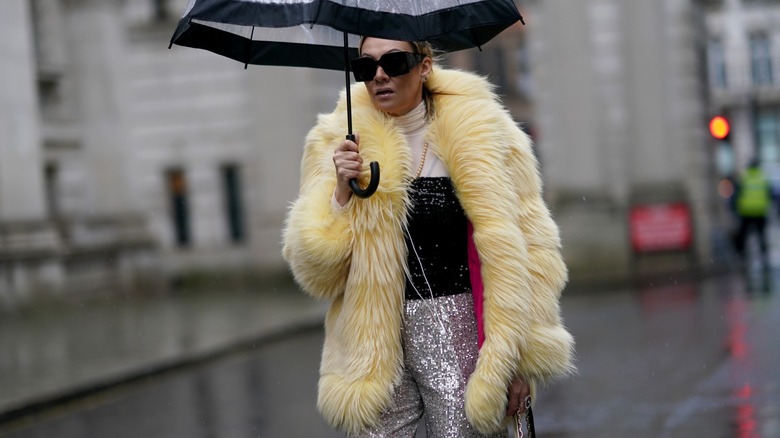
(753, 201)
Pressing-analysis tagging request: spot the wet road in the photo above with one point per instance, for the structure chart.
(265, 393)
(677, 360)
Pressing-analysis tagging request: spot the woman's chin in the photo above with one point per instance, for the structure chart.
(386, 104)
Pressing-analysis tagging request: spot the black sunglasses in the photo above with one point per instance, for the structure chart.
(393, 63)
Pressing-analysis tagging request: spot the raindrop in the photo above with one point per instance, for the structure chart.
(583, 198)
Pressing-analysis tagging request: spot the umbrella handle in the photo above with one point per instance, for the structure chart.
(373, 183)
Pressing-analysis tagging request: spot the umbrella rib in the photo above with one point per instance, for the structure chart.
(316, 15)
(249, 48)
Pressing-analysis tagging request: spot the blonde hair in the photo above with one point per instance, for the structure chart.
(423, 48)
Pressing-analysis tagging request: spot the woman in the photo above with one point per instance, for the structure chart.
(410, 295)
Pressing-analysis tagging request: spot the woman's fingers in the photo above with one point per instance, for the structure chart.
(347, 159)
(349, 145)
(514, 401)
(349, 165)
(519, 390)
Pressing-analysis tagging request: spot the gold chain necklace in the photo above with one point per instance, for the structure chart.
(422, 159)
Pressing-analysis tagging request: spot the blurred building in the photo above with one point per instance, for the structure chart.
(122, 161)
(67, 222)
(120, 158)
(215, 147)
(744, 81)
(620, 96)
(506, 62)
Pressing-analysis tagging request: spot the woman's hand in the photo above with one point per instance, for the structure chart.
(518, 391)
(349, 165)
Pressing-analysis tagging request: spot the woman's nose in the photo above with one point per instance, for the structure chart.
(380, 73)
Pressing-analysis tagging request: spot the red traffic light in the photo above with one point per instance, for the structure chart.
(719, 127)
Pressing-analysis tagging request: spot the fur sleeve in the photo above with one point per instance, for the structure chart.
(524, 280)
(547, 348)
(317, 240)
(496, 175)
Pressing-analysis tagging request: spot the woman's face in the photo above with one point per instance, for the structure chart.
(395, 95)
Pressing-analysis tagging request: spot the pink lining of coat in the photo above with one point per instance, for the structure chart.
(477, 289)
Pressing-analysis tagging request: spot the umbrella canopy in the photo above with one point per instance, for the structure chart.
(308, 33)
(324, 33)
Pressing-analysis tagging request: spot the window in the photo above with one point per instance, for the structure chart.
(767, 126)
(716, 64)
(724, 158)
(177, 193)
(760, 60)
(51, 179)
(231, 177)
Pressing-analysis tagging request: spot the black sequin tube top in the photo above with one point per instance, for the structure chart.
(436, 240)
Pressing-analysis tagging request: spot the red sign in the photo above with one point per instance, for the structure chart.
(660, 227)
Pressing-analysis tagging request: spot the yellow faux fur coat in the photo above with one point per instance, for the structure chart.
(356, 256)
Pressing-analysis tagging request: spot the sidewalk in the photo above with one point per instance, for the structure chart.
(58, 353)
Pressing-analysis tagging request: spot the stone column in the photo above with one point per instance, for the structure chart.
(99, 53)
(621, 120)
(579, 70)
(21, 170)
(298, 95)
(109, 220)
(28, 243)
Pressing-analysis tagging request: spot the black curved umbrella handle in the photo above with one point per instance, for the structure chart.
(373, 183)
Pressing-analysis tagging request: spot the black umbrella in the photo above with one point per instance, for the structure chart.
(323, 33)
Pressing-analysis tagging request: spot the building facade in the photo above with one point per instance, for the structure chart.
(121, 158)
(66, 221)
(124, 164)
(743, 60)
(620, 101)
(215, 147)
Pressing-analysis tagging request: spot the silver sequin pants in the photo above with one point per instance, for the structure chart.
(440, 352)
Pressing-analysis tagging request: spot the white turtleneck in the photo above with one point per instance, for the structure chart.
(414, 126)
